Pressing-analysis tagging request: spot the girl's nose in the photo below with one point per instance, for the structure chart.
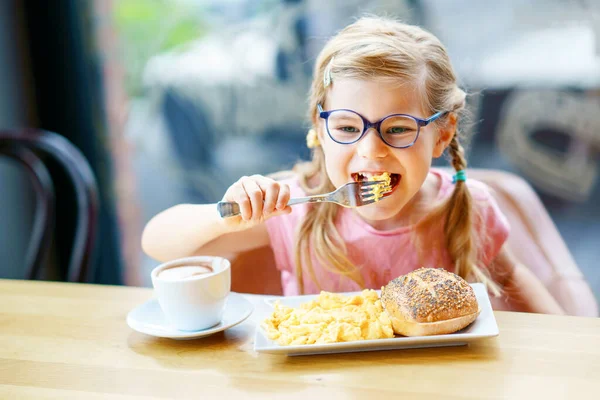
(371, 146)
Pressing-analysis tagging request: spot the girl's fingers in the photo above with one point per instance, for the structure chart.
(237, 194)
(284, 196)
(255, 194)
(286, 210)
(259, 197)
(270, 190)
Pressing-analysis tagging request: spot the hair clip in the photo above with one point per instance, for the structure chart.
(460, 175)
(327, 74)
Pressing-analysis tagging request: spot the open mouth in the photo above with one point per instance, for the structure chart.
(370, 176)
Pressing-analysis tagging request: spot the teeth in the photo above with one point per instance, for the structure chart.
(367, 174)
(370, 175)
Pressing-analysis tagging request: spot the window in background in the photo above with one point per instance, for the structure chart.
(218, 90)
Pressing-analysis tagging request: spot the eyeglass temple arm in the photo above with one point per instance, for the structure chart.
(435, 116)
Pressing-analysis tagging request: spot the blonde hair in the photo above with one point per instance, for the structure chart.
(384, 48)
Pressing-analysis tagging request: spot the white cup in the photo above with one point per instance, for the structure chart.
(196, 302)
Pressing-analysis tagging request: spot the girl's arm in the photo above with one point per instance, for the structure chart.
(524, 291)
(189, 229)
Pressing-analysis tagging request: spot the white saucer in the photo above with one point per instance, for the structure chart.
(148, 318)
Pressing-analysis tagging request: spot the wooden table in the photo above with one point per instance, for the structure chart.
(68, 341)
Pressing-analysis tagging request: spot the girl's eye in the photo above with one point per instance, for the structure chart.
(399, 125)
(348, 129)
(398, 130)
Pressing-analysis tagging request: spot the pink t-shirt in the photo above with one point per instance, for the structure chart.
(380, 255)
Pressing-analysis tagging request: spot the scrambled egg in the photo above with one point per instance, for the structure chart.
(330, 318)
(385, 186)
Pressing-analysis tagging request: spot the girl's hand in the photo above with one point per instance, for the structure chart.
(259, 198)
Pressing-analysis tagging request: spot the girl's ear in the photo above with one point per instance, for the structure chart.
(446, 133)
(318, 128)
(321, 131)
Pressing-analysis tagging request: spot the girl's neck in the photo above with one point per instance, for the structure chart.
(415, 209)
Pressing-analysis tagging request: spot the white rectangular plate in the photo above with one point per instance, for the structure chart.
(484, 326)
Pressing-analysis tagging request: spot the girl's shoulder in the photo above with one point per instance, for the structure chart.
(484, 201)
(480, 191)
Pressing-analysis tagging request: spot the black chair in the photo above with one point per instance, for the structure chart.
(30, 147)
(43, 222)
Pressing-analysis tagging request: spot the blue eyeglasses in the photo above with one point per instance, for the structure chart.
(397, 130)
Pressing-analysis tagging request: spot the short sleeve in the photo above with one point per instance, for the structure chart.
(492, 225)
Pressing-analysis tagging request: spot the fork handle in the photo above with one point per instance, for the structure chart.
(228, 209)
(318, 198)
(231, 209)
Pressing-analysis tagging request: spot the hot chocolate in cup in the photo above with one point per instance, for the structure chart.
(192, 291)
(183, 272)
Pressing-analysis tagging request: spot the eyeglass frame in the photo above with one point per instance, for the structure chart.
(377, 125)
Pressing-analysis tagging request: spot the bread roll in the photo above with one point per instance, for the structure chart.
(429, 301)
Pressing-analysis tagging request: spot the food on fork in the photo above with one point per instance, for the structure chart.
(330, 318)
(388, 182)
(429, 301)
(385, 186)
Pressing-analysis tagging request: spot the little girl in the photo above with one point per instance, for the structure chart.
(384, 98)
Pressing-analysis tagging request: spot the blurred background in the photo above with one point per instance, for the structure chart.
(171, 101)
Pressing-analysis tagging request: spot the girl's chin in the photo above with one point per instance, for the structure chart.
(376, 212)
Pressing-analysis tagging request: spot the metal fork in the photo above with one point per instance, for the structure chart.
(353, 194)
